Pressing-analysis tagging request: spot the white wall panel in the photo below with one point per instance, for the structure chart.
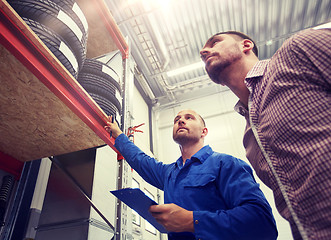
(140, 115)
(105, 180)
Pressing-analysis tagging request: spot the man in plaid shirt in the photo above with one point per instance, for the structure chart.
(286, 102)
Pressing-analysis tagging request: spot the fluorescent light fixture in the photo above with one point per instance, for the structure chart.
(164, 3)
(269, 42)
(187, 68)
(325, 25)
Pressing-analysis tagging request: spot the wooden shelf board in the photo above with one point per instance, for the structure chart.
(104, 35)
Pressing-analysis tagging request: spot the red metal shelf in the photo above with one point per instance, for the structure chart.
(21, 42)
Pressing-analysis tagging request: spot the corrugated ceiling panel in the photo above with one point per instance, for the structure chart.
(185, 25)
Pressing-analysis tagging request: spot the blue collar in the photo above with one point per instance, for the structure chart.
(201, 155)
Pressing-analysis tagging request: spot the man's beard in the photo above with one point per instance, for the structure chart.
(183, 139)
(216, 70)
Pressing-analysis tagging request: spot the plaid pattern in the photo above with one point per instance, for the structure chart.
(290, 107)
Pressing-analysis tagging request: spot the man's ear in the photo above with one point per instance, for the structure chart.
(247, 45)
(204, 132)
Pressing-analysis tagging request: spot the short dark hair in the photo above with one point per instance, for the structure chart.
(242, 36)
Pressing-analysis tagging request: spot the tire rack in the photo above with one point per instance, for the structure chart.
(22, 43)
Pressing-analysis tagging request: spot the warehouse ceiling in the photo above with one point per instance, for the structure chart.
(167, 35)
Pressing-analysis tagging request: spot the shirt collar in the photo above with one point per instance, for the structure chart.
(201, 155)
(256, 71)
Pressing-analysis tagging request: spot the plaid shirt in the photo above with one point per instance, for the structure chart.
(289, 108)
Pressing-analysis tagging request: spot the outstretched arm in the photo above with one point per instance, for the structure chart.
(147, 167)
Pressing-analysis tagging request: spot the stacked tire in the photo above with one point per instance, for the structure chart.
(103, 85)
(61, 25)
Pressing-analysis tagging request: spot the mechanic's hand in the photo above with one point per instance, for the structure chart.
(173, 217)
(112, 127)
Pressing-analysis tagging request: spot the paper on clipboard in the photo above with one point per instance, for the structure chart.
(140, 202)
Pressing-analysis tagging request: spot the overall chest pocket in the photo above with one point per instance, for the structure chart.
(200, 186)
(199, 180)
(201, 191)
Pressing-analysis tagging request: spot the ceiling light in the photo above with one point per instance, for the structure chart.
(164, 3)
(152, 4)
(269, 42)
(325, 25)
(184, 69)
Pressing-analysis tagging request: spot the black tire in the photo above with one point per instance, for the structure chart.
(92, 79)
(105, 94)
(53, 7)
(64, 3)
(107, 106)
(75, 12)
(95, 67)
(54, 42)
(46, 14)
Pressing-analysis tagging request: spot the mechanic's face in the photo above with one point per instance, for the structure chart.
(188, 127)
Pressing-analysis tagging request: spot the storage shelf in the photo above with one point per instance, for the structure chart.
(44, 111)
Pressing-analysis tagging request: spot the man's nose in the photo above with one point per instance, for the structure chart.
(203, 53)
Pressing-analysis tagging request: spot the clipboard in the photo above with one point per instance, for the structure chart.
(140, 202)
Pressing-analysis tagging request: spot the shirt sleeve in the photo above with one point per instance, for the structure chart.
(147, 167)
(249, 215)
(310, 50)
